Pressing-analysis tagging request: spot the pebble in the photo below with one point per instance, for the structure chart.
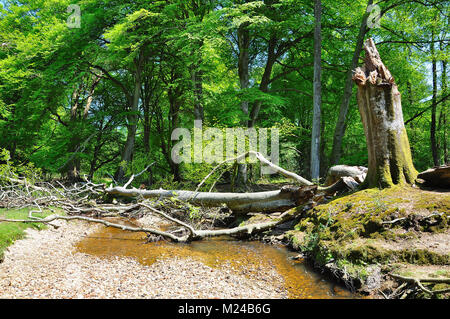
(46, 265)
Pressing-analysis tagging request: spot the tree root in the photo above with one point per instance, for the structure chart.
(420, 281)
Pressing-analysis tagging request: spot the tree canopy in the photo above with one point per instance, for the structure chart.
(103, 98)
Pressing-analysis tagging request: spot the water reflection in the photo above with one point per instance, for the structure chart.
(244, 257)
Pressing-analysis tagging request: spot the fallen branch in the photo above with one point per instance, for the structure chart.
(342, 183)
(99, 221)
(193, 233)
(270, 201)
(262, 159)
(136, 175)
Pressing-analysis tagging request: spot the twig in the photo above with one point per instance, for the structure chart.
(136, 175)
(99, 221)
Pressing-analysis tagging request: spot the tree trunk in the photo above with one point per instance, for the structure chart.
(197, 79)
(317, 94)
(339, 131)
(132, 119)
(358, 173)
(434, 144)
(72, 168)
(437, 177)
(270, 201)
(147, 126)
(174, 95)
(265, 80)
(97, 148)
(243, 63)
(150, 97)
(243, 70)
(444, 106)
(379, 103)
(263, 87)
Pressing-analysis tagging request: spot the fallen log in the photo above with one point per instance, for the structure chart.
(358, 173)
(263, 202)
(240, 203)
(438, 176)
(267, 202)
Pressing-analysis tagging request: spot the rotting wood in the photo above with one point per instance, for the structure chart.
(379, 103)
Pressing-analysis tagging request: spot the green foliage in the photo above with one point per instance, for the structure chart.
(47, 69)
(8, 169)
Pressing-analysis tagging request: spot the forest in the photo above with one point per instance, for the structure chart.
(337, 106)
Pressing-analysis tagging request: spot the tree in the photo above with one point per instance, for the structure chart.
(380, 107)
(340, 125)
(317, 94)
(444, 106)
(434, 143)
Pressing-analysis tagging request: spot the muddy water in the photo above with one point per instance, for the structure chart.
(244, 257)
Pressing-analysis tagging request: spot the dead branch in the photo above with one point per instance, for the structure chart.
(270, 201)
(344, 182)
(262, 159)
(99, 221)
(193, 233)
(136, 175)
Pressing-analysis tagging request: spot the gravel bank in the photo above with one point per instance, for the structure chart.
(45, 265)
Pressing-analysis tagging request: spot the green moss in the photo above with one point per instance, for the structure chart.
(363, 213)
(349, 230)
(441, 287)
(369, 253)
(433, 203)
(305, 225)
(391, 235)
(440, 273)
(354, 270)
(422, 257)
(257, 218)
(295, 238)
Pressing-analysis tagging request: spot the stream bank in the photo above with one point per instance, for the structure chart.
(80, 260)
(363, 237)
(46, 264)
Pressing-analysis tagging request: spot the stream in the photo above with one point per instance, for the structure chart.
(301, 281)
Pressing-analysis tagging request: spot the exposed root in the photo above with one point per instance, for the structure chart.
(419, 282)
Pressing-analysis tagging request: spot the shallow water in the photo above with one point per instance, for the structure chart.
(244, 257)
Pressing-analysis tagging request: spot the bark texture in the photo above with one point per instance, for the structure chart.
(132, 118)
(317, 97)
(379, 103)
(270, 201)
(336, 172)
(437, 176)
(433, 137)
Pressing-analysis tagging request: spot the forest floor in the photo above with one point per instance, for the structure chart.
(46, 265)
(365, 236)
(360, 238)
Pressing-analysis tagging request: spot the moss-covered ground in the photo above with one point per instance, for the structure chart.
(396, 228)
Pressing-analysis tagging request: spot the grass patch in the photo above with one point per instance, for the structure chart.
(10, 232)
